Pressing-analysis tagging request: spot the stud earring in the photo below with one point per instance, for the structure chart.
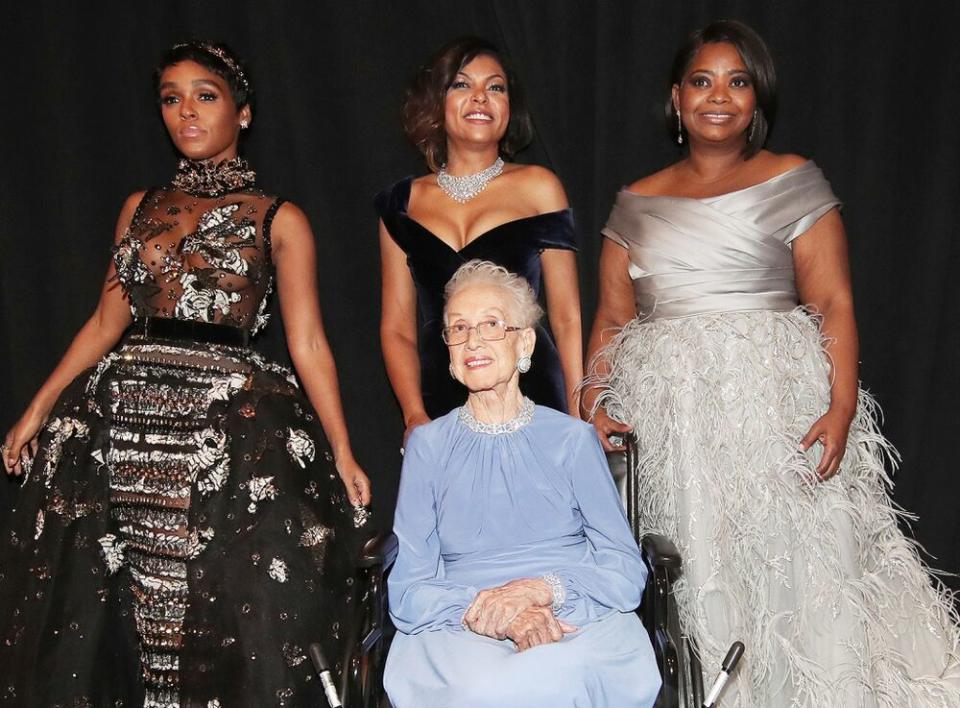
(679, 129)
(244, 125)
(523, 364)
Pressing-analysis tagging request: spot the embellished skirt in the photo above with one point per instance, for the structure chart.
(832, 601)
(181, 539)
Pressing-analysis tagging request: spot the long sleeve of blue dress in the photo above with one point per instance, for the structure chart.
(421, 599)
(609, 574)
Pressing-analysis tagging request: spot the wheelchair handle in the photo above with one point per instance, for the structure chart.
(323, 668)
(730, 662)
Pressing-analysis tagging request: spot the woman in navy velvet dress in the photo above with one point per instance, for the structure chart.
(464, 111)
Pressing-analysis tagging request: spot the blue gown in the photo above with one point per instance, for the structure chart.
(480, 507)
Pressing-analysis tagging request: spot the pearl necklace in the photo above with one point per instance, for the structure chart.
(463, 189)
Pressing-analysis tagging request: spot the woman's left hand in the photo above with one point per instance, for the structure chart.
(492, 610)
(355, 481)
(831, 431)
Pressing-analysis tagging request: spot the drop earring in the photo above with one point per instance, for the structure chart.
(753, 127)
(679, 129)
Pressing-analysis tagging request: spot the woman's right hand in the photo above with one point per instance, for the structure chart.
(412, 422)
(607, 427)
(535, 626)
(20, 444)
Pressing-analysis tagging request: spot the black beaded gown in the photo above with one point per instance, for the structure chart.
(515, 245)
(183, 535)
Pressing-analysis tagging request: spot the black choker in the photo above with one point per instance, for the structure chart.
(205, 179)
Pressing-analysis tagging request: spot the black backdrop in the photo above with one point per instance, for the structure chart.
(869, 90)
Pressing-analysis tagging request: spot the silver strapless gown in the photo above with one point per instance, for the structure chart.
(721, 375)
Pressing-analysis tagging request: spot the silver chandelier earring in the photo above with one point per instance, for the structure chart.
(679, 129)
(523, 364)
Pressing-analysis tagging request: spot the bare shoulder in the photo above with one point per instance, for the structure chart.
(423, 187)
(656, 185)
(127, 212)
(290, 216)
(131, 203)
(773, 164)
(539, 185)
(130, 206)
(422, 180)
(290, 226)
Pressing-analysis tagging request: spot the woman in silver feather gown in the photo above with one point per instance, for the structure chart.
(758, 453)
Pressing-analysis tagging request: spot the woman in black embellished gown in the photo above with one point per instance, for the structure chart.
(184, 531)
(463, 111)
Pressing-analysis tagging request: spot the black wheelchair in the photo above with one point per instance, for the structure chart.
(370, 632)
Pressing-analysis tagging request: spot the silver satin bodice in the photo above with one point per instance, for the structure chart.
(719, 254)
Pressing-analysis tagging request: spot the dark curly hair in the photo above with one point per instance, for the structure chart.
(216, 57)
(759, 65)
(423, 109)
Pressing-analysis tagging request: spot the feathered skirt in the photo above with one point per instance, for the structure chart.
(181, 539)
(816, 578)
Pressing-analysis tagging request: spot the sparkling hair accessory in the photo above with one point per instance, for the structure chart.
(217, 52)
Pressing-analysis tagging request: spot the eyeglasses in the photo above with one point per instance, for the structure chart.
(488, 331)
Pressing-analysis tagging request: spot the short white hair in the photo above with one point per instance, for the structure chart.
(522, 300)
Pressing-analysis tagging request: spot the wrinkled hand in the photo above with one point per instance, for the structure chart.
(355, 481)
(831, 431)
(607, 426)
(492, 610)
(535, 626)
(20, 444)
(412, 422)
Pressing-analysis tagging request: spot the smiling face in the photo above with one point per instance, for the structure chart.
(477, 105)
(716, 98)
(482, 365)
(199, 112)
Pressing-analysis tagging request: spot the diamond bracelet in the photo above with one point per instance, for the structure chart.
(556, 589)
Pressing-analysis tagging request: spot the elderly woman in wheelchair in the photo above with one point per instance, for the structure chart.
(517, 574)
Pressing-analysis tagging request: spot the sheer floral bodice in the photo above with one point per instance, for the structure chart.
(199, 250)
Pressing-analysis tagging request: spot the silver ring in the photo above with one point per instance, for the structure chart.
(615, 440)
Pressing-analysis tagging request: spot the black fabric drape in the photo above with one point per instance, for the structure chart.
(867, 90)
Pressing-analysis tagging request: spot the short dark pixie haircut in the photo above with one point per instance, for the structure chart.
(759, 65)
(423, 109)
(215, 57)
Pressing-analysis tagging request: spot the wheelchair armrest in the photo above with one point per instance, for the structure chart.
(380, 550)
(370, 631)
(660, 551)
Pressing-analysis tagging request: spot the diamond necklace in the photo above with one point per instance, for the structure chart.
(463, 189)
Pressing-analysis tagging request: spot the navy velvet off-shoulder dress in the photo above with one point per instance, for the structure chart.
(516, 245)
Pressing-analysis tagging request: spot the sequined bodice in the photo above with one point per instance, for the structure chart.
(199, 258)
